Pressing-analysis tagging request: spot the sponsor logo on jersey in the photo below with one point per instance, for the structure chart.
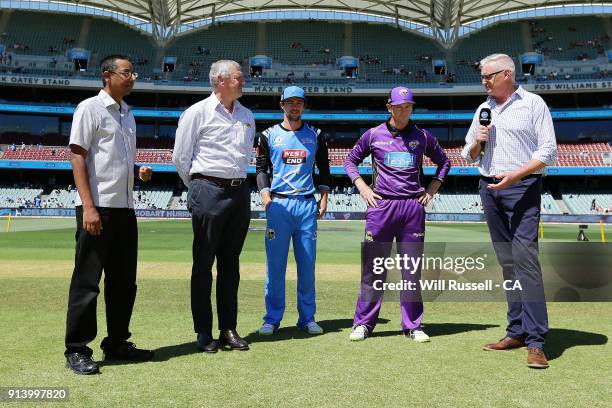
(413, 144)
(294, 156)
(382, 142)
(401, 160)
(278, 141)
(308, 140)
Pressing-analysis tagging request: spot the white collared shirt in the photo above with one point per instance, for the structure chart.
(214, 142)
(108, 133)
(522, 130)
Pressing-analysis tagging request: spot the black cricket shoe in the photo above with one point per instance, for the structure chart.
(126, 351)
(81, 363)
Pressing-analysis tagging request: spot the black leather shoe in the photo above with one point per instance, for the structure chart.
(206, 344)
(126, 351)
(81, 363)
(231, 338)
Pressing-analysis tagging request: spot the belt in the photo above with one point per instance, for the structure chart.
(219, 181)
(496, 180)
(278, 195)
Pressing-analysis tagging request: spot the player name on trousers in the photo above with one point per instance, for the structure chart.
(451, 284)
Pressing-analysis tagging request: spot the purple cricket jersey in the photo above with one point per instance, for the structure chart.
(397, 158)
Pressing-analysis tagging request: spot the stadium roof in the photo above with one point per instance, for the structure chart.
(444, 20)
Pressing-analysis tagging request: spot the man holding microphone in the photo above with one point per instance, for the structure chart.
(511, 153)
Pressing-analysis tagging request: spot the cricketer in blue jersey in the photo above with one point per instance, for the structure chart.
(289, 151)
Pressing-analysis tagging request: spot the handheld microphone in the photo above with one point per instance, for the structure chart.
(485, 120)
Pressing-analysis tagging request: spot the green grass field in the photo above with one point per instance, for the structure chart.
(290, 368)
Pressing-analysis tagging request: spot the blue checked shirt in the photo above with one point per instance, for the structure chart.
(522, 130)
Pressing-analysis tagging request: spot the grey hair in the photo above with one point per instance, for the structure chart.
(221, 68)
(501, 61)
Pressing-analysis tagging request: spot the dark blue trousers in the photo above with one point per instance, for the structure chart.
(513, 217)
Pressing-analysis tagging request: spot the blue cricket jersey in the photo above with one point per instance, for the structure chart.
(291, 156)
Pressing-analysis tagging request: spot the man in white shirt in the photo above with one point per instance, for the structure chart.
(212, 152)
(103, 147)
(512, 153)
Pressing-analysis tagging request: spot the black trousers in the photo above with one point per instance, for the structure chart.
(115, 252)
(220, 219)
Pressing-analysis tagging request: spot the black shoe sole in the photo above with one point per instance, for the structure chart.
(207, 351)
(127, 359)
(97, 371)
(235, 348)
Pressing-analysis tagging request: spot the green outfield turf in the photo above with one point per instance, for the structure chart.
(291, 368)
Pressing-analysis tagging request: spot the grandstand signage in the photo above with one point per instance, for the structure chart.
(324, 90)
(19, 80)
(330, 216)
(572, 86)
(321, 89)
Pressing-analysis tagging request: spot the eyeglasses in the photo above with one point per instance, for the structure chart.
(126, 74)
(488, 77)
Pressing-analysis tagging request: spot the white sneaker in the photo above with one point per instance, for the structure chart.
(359, 333)
(267, 329)
(419, 336)
(313, 328)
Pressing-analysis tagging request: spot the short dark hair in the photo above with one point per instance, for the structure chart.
(109, 63)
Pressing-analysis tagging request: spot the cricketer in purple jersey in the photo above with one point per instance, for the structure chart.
(397, 158)
(396, 210)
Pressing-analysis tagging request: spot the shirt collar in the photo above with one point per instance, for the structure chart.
(216, 102)
(108, 100)
(289, 130)
(395, 132)
(518, 93)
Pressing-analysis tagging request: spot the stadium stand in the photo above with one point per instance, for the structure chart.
(163, 199)
(107, 37)
(312, 42)
(181, 203)
(152, 199)
(54, 32)
(408, 58)
(471, 50)
(588, 203)
(59, 198)
(196, 51)
(15, 197)
(569, 38)
(57, 33)
(570, 155)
